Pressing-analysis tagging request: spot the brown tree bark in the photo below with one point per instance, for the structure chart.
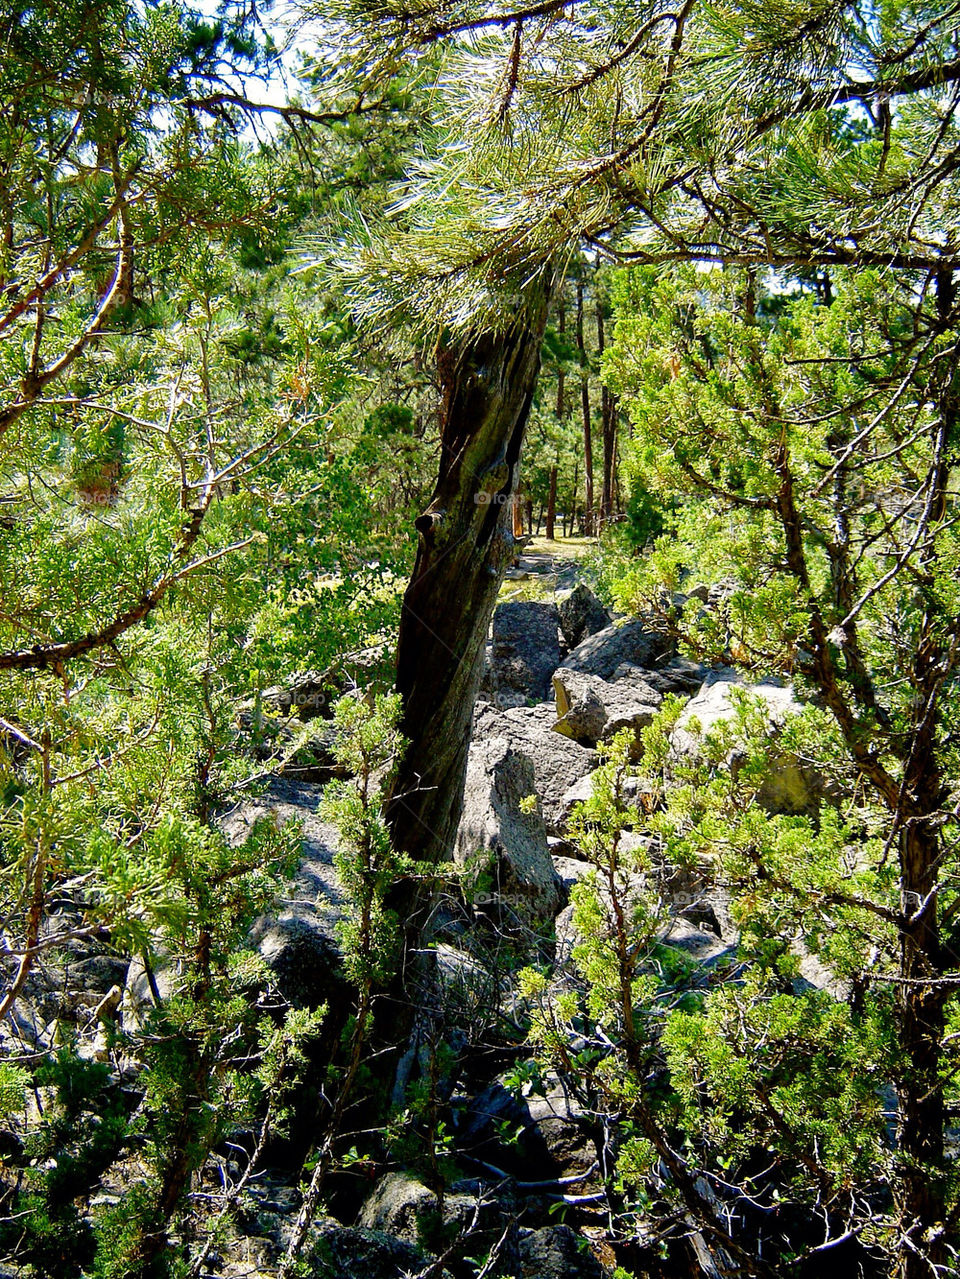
(608, 419)
(585, 411)
(466, 543)
(920, 1183)
(552, 503)
(561, 411)
(516, 506)
(561, 376)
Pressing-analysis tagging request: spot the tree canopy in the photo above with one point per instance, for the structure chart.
(280, 408)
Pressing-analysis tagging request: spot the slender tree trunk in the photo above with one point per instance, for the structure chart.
(516, 506)
(561, 376)
(561, 414)
(585, 410)
(573, 495)
(466, 544)
(919, 1186)
(608, 418)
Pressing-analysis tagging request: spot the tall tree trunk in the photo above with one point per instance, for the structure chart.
(561, 411)
(573, 496)
(516, 506)
(561, 376)
(466, 544)
(608, 419)
(920, 1102)
(920, 1190)
(585, 410)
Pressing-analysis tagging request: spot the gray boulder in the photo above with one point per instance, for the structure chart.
(557, 1252)
(340, 1252)
(554, 1135)
(500, 836)
(632, 708)
(581, 615)
(592, 710)
(402, 1206)
(468, 989)
(558, 762)
(581, 709)
(632, 789)
(633, 641)
(790, 786)
(579, 793)
(679, 675)
(570, 869)
(526, 648)
(298, 939)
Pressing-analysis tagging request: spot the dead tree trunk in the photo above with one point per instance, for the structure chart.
(466, 543)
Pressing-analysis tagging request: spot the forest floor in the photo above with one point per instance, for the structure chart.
(546, 566)
(566, 548)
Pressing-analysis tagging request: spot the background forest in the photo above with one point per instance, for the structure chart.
(479, 595)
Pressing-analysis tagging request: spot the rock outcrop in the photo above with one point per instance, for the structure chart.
(298, 939)
(592, 710)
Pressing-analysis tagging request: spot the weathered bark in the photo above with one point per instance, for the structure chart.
(587, 425)
(920, 1101)
(919, 1185)
(466, 543)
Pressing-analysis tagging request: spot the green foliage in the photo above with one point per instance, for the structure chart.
(367, 745)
